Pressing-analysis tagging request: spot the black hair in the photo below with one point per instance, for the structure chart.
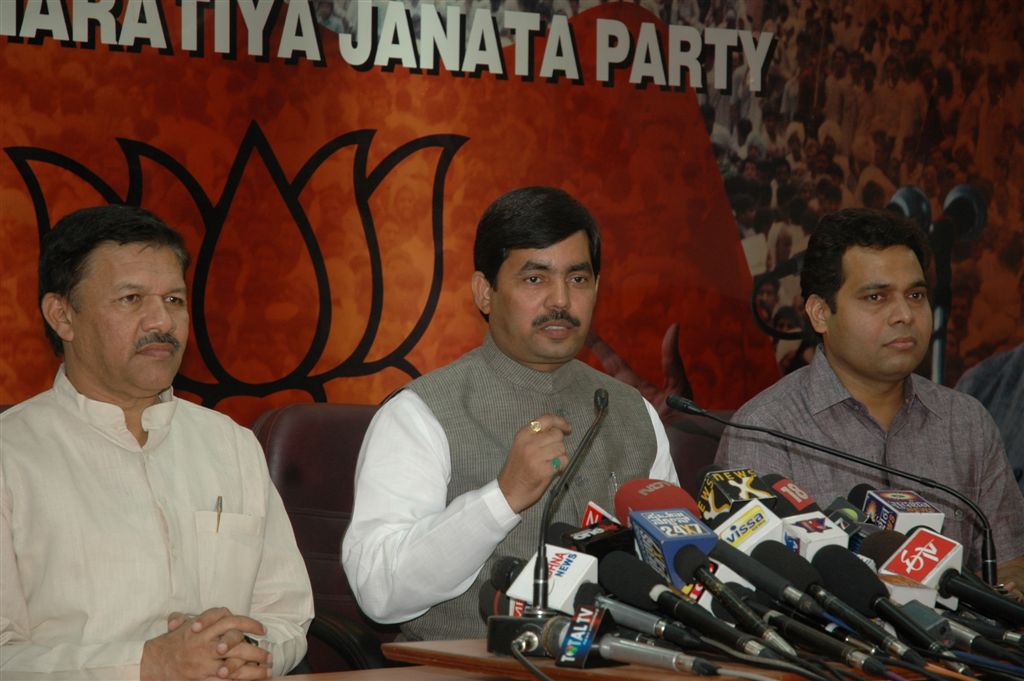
(837, 232)
(531, 217)
(64, 250)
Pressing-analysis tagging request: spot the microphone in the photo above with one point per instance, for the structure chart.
(651, 495)
(988, 547)
(968, 639)
(649, 623)
(661, 534)
(765, 579)
(988, 629)
(807, 578)
(901, 510)
(692, 565)
(573, 644)
(812, 638)
(934, 560)
(723, 491)
(597, 540)
(566, 570)
(634, 582)
(805, 528)
(504, 631)
(854, 582)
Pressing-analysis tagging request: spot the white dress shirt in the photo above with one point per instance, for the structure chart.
(101, 538)
(406, 548)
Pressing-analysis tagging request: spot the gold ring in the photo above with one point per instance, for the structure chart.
(536, 426)
(556, 463)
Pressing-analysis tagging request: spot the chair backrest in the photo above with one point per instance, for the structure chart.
(311, 450)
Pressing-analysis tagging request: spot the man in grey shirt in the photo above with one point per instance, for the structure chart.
(998, 383)
(867, 297)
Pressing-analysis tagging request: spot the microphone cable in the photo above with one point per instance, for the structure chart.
(530, 666)
(780, 665)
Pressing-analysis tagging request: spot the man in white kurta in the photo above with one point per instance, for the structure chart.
(140, 534)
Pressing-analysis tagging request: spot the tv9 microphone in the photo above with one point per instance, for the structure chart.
(988, 548)
(504, 632)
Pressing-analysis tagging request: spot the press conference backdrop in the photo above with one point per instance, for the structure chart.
(328, 174)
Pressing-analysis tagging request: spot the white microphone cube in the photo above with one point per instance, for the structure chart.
(808, 532)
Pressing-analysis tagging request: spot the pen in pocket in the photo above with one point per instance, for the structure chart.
(218, 507)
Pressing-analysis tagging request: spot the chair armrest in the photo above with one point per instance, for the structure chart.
(352, 640)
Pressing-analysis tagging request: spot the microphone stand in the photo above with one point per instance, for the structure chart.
(506, 633)
(988, 547)
(555, 494)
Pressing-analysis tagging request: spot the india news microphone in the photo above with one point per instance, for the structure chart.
(988, 548)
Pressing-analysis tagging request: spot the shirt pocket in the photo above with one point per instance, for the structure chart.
(229, 555)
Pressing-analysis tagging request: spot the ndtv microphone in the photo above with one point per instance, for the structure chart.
(651, 495)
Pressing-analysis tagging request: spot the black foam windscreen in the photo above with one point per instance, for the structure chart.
(555, 534)
(688, 560)
(880, 546)
(504, 571)
(629, 579)
(858, 494)
(587, 594)
(849, 578)
(786, 562)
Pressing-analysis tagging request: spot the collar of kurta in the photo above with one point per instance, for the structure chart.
(109, 419)
(546, 382)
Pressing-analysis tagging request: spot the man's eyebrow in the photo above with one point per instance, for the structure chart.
(129, 286)
(885, 285)
(538, 266)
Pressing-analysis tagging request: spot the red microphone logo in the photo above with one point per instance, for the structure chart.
(920, 554)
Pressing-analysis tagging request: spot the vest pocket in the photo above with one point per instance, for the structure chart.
(228, 558)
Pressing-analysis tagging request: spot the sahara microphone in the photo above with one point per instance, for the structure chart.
(988, 547)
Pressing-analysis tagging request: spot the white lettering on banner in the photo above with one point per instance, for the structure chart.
(384, 36)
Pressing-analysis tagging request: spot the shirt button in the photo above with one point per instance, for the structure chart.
(958, 514)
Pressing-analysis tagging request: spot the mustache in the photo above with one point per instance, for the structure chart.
(556, 316)
(157, 337)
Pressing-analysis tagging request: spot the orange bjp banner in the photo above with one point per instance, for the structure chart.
(330, 209)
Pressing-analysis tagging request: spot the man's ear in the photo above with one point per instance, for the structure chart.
(818, 312)
(482, 292)
(58, 313)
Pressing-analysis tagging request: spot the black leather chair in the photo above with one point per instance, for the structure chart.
(311, 450)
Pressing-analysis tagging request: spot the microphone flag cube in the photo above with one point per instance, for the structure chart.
(808, 532)
(594, 514)
(578, 648)
(924, 557)
(567, 570)
(901, 510)
(660, 535)
(752, 524)
(723, 491)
